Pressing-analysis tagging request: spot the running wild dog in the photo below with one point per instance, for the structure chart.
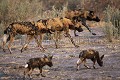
(90, 54)
(82, 16)
(22, 28)
(37, 63)
(56, 26)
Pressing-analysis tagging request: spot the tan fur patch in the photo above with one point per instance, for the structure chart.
(42, 59)
(46, 60)
(90, 51)
(54, 24)
(40, 25)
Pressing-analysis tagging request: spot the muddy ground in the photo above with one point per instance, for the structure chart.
(64, 60)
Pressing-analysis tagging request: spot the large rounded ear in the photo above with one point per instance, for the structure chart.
(85, 13)
(102, 57)
(51, 57)
(45, 56)
(92, 13)
(33, 22)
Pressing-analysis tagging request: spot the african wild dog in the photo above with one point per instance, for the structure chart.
(71, 25)
(64, 26)
(41, 30)
(82, 16)
(90, 54)
(51, 26)
(19, 28)
(37, 63)
(58, 25)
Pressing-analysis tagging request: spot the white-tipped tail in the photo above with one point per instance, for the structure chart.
(5, 38)
(26, 65)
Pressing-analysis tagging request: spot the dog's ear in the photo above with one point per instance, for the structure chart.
(45, 56)
(51, 57)
(102, 57)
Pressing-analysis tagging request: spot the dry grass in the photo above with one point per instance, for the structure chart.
(112, 26)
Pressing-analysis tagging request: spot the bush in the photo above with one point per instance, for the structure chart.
(112, 19)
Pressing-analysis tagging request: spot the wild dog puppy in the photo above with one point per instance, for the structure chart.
(82, 16)
(90, 54)
(37, 63)
(18, 28)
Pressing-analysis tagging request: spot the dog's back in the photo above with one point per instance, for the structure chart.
(38, 63)
(34, 62)
(88, 54)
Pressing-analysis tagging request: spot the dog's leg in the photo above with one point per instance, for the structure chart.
(94, 61)
(5, 41)
(85, 64)
(30, 72)
(9, 45)
(27, 72)
(55, 38)
(94, 64)
(29, 38)
(75, 33)
(84, 23)
(79, 62)
(41, 39)
(69, 36)
(41, 72)
(39, 43)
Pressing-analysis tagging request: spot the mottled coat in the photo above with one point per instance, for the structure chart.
(56, 26)
(17, 28)
(90, 54)
(37, 63)
(81, 16)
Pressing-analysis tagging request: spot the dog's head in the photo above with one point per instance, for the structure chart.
(48, 60)
(92, 17)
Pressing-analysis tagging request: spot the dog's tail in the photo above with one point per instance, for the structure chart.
(7, 32)
(26, 66)
(6, 36)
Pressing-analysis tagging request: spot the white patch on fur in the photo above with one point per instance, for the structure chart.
(26, 65)
(25, 45)
(4, 38)
(78, 61)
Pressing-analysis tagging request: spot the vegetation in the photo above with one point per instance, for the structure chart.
(32, 10)
(112, 27)
(24, 10)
